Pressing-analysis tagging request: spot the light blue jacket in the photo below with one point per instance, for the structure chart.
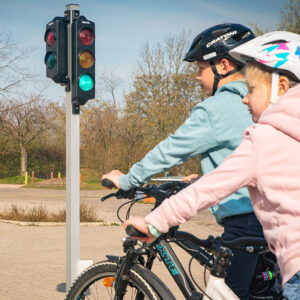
(214, 129)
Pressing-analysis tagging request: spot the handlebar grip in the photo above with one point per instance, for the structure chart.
(131, 231)
(107, 183)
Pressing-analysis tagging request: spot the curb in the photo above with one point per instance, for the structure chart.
(19, 223)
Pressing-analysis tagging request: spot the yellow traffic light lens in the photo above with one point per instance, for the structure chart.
(86, 59)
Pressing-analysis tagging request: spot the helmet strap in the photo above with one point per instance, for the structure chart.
(219, 76)
(274, 90)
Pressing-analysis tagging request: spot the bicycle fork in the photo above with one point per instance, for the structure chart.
(122, 275)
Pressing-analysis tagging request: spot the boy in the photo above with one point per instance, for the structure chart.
(214, 129)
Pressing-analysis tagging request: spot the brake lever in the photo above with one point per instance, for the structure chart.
(108, 196)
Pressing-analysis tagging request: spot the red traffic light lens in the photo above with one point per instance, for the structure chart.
(50, 39)
(86, 37)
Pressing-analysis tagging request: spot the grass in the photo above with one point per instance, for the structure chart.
(90, 181)
(18, 180)
(41, 214)
(47, 184)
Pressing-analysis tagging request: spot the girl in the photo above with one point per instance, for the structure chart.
(267, 161)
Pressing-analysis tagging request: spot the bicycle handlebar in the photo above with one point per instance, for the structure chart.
(160, 193)
(149, 190)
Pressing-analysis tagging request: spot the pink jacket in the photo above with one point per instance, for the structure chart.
(268, 163)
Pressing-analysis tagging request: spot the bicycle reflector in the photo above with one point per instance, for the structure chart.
(83, 64)
(108, 281)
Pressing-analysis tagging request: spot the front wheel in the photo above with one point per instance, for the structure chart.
(97, 282)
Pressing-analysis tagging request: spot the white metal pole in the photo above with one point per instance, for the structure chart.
(73, 171)
(73, 263)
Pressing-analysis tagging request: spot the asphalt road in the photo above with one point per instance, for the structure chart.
(32, 258)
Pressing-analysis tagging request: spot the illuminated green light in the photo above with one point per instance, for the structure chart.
(86, 82)
(50, 60)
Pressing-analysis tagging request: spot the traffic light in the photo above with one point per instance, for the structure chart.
(56, 58)
(83, 65)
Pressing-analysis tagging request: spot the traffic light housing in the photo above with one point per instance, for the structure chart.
(56, 58)
(83, 64)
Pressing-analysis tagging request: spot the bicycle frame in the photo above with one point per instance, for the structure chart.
(216, 287)
(217, 263)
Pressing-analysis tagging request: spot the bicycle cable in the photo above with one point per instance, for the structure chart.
(204, 276)
(118, 210)
(193, 279)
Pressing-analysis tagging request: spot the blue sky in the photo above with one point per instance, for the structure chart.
(122, 26)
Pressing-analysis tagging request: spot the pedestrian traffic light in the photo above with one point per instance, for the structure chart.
(56, 58)
(83, 56)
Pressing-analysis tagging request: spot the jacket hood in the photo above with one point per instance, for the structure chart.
(285, 114)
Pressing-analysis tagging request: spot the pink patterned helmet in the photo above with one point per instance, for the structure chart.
(278, 51)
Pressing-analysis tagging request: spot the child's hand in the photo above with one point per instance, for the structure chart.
(113, 176)
(140, 224)
(191, 178)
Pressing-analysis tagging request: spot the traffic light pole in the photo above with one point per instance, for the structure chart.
(73, 263)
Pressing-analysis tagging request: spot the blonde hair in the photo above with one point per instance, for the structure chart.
(257, 71)
(254, 70)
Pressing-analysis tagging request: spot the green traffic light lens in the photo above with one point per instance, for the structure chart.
(86, 82)
(50, 60)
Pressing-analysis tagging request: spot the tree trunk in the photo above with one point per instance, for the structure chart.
(23, 159)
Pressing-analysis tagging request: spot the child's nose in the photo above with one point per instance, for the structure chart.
(245, 99)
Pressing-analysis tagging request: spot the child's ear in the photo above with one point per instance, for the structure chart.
(283, 85)
(225, 66)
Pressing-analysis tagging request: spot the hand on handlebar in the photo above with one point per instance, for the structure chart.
(140, 224)
(114, 177)
(191, 178)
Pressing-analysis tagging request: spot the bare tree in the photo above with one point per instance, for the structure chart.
(289, 19)
(164, 89)
(24, 122)
(109, 84)
(290, 16)
(12, 71)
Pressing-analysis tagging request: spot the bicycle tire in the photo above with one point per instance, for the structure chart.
(83, 286)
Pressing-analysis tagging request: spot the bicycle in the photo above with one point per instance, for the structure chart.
(130, 276)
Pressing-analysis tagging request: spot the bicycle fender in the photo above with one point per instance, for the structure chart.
(113, 258)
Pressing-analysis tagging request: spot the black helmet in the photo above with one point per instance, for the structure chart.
(215, 42)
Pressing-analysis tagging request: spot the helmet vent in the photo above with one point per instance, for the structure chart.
(275, 42)
(220, 32)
